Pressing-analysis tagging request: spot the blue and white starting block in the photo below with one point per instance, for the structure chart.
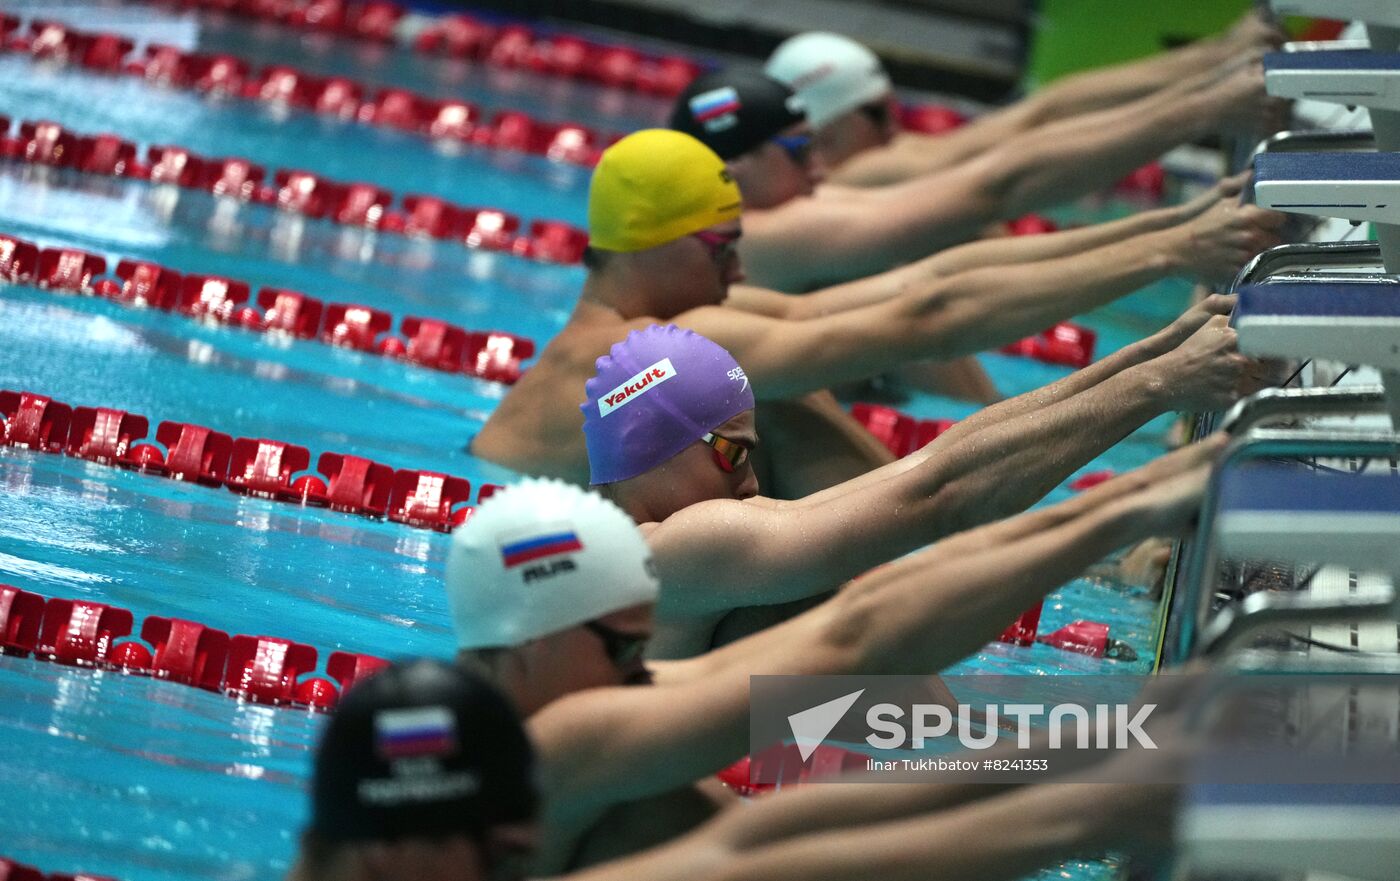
(1298, 515)
(1355, 77)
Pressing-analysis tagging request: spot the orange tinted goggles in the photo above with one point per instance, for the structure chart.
(730, 455)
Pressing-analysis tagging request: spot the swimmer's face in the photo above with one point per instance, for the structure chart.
(854, 132)
(619, 641)
(606, 651)
(692, 271)
(692, 476)
(509, 849)
(778, 170)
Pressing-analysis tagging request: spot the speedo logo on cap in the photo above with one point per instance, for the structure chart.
(821, 72)
(636, 386)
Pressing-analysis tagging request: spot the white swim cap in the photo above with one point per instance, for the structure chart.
(541, 557)
(831, 74)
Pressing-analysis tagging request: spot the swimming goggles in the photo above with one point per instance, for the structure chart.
(719, 244)
(730, 455)
(622, 648)
(798, 147)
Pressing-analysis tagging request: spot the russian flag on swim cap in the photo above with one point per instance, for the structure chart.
(733, 111)
(656, 393)
(416, 732)
(497, 604)
(718, 102)
(548, 541)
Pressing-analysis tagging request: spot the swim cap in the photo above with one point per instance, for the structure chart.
(831, 74)
(654, 186)
(541, 557)
(656, 393)
(734, 111)
(421, 749)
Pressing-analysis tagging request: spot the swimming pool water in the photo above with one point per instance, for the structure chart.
(122, 775)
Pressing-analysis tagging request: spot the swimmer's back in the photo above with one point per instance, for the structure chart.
(538, 427)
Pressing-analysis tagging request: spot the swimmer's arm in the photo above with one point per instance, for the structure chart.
(1086, 378)
(896, 620)
(720, 555)
(761, 301)
(968, 313)
(1007, 250)
(1002, 837)
(912, 153)
(789, 550)
(1065, 160)
(896, 224)
(933, 608)
(605, 746)
(844, 233)
(1012, 529)
(998, 252)
(1107, 87)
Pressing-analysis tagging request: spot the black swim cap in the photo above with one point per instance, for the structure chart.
(421, 749)
(733, 111)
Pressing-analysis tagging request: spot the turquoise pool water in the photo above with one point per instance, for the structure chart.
(133, 778)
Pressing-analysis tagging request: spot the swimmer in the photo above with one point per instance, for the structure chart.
(663, 222)
(852, 109)
(464, 807)
(552, 591)
(859, 231)
(765, 141)
(423, 772)
(674, 451)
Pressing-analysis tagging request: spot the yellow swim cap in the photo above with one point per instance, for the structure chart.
(654, 186)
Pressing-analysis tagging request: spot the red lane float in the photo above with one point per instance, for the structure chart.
(359, 205)
(19, 260)
(34, 422)
(285, 86)
(1022, 631)
(21, 616)
(900, 433)
(261, 669)
(462, 36)
(1065, 344)
(103, 435)
(264, 468)
(268, 469)
(429, 500)
(10, 870)
(357, 485)
(79, 631)
(1091, 479)
(1090, 638)
(785, 763)
(1149, 181)
(930, 119)
(1031, 225)
(145, 284)
(186, 652)
(494, 356)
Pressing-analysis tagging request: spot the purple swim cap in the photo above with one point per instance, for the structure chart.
(658, 391)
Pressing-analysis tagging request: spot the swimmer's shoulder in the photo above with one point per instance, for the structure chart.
(583, 342)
